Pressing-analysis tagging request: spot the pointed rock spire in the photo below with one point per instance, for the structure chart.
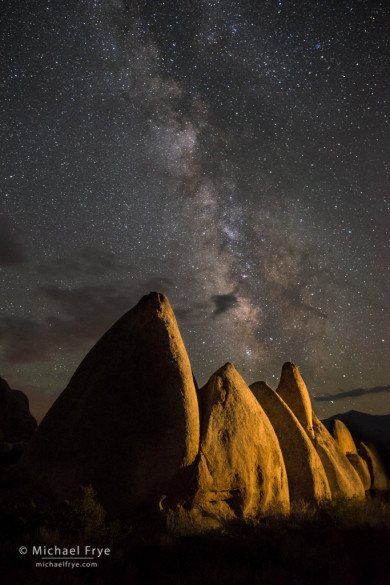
(292, 389)
(343, 479)
(361, 468)
(128, 420)
(344, 439)
(306, 475)
(241, 469)
(342, 436)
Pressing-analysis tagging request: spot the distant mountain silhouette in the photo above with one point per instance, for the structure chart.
(368, 428)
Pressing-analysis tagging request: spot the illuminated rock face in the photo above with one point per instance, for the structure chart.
(128, 421)
(241, 470)
(343, 479)
(292, 389)
(344, 439)
(306, 475)
(342, 436)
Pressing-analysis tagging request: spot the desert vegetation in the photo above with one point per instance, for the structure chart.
(343, 540)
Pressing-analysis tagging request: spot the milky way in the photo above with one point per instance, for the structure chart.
(233, 155)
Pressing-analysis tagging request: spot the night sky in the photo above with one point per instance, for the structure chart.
(233, 155)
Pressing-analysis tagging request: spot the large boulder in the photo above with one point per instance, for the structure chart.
(241, 472)
(344, 439)
(379, 478)
(292, 389)
(343, 479)
(306, 475)
(16, 421)
(342, 436)
(128, 422)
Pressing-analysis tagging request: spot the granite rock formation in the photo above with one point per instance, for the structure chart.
(343, 479)
(16, 421)
(379, 478)
(240, 472)
(306, 475)
(133, 424)
(368, 428)
(361, 468)
(128, 422)
(344, 439)
(292, 389)
(17, 425)
(342, 436)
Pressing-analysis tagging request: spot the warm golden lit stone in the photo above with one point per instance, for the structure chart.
(241, 469)
(306, 476)
(294, 393)
(344, 439)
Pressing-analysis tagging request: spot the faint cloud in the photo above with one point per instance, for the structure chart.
(23, 340)
(193, 314)
(85, 313)
(183, 314)
(87, 261)
(159, 284)
(352, 393)
(11, 248)
(224, 303)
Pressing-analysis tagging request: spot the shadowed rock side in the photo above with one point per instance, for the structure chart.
(342, 477)
(379, 477)
(306, 475)
(344, 439)
(128, 420)
(16, 421)
(292, 389)
(361, 469)
(241, 471)
(17, 425)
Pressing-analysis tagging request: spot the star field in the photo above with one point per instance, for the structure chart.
(233, 155)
